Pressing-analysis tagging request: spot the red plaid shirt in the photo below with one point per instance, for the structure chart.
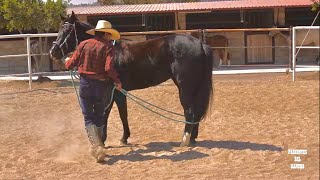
(94, 57)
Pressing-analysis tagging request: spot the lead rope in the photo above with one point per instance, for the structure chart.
(132, 97)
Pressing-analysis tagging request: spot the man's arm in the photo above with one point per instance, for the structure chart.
(109, 68)
(74, 60)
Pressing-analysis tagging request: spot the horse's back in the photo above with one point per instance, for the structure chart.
(184, 47)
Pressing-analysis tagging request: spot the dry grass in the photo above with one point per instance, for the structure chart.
(255, 119)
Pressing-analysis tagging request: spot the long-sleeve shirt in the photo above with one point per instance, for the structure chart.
(94, 57)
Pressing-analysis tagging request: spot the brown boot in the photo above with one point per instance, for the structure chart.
(97, 146)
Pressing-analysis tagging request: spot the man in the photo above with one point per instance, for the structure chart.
(93, 57)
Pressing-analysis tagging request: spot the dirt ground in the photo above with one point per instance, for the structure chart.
(253, 122)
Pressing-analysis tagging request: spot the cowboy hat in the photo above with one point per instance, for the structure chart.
(105, 26)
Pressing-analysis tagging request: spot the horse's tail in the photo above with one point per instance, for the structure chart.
(203, 96)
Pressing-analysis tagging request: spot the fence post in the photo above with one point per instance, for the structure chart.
(293, 53)
(29, 62)
(204, 36)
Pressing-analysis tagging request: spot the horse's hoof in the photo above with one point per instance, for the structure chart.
(123, 142)
(193, 143)
(185, 140)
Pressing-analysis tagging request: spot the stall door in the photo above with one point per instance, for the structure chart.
(259, 49)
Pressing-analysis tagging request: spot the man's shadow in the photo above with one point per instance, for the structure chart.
(165, 150)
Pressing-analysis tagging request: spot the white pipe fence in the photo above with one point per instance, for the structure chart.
(294, 53)
(26, 36)
(293, 34)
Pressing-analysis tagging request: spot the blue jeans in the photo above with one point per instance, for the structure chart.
(94, 97)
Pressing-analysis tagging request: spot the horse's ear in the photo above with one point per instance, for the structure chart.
(73, 17)
(63, 18)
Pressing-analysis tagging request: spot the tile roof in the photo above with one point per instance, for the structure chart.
(193, 6)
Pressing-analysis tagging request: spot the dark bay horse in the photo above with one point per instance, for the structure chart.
(182, 58)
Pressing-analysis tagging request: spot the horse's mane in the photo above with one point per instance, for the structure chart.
(85, 25)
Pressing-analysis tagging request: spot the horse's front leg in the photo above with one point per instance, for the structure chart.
(121, 102)
(106, 117)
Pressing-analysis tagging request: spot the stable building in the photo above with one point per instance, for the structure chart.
(242, 14)
(208, 18)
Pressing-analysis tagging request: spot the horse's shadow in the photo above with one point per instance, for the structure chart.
(167, 150)
(236, 145)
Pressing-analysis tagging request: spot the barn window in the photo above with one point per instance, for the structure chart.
(300, 17)
(138, 22)
(215, 19)
(231, 19)
(262, 18)
(160, 22)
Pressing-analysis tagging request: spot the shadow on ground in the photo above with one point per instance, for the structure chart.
(165, 150)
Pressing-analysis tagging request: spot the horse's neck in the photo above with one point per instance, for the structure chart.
(282, 34)
(81, 31)
(285, 36)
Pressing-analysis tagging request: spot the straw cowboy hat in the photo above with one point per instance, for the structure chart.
(105, 26)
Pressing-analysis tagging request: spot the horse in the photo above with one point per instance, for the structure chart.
(221, 42)
(182, 58)
(35, 61)
(311, 40)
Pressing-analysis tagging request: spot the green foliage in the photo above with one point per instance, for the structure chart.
(3, 22)
(53, 11)
(315, 5)
(23, 15)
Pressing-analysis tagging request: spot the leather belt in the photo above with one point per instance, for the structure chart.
(98, 77)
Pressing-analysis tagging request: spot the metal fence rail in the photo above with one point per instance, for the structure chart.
(27, 37)
(201, 32)
(294, 46)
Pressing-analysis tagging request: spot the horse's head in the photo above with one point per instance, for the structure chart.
(69, 36)
(274, 32)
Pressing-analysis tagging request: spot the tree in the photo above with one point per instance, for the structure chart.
(24, 15)
(53, 11)
(315, 5)
(112, 2)
(3, 22)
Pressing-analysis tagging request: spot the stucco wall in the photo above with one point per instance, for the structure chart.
(236, 40)
(15, 65)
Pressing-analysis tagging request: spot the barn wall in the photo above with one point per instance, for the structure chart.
(281, 53)
(236, 39)
(305, 56)
(15, 65)
(279, 17)
(181, 20)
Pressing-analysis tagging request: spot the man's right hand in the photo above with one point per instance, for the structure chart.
(118, 86)
(67, 59)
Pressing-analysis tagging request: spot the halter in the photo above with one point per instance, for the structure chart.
(66, 39)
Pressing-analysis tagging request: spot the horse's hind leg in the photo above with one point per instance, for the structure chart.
(194, 134)
(190, 130)
(228, 59)
(187, 84)
(121, 102)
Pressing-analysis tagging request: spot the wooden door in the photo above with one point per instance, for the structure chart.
(261, 51)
